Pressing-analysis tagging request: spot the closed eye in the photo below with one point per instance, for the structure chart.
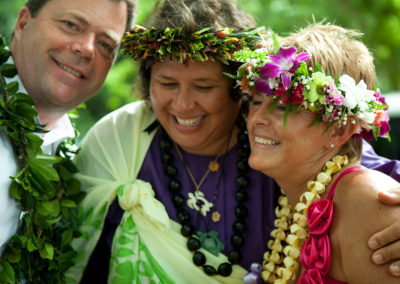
(169, 84)
(254, 103)
(204, 88)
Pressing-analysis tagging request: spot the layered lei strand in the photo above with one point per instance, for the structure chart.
(281, 264)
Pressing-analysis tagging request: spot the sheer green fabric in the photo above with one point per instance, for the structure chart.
(147, 246)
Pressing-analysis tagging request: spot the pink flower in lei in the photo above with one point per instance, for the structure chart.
(380, 99)
(335, 96)
(381, 121)
(316, 251)
(283, 64)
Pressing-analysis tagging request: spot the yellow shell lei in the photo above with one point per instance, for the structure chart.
(281, 264)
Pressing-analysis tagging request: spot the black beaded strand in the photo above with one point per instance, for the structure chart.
(241, 212)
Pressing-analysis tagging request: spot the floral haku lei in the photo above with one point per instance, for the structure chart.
(286, 77)
(153, 45)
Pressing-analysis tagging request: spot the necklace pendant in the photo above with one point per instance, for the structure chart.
(215, 216)
(211, 242)
(213, 166)
(198, 202)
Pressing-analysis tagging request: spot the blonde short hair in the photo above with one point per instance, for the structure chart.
(339, 51)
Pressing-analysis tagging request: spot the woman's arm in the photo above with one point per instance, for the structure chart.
(386, 242)
(358, 215)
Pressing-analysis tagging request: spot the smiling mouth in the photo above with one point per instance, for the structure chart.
(189, 122)
(69, 70)
(265, 141)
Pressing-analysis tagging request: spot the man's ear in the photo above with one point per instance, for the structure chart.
(24, 17)
(340, 134)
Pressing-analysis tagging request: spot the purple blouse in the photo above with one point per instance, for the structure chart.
(263, 194)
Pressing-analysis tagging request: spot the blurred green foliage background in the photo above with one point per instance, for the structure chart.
(378, 20)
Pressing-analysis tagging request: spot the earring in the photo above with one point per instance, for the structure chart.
(332, 145)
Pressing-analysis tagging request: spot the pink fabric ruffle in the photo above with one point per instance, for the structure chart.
(316, 251)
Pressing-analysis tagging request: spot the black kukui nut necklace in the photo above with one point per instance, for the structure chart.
(188, 230)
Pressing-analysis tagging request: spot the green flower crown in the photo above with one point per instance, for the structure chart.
(153, 45)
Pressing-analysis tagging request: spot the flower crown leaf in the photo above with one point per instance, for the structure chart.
(286, 77)
(276, 43)
(153, 45)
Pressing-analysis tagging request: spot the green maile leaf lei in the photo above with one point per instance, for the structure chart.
(44, 186)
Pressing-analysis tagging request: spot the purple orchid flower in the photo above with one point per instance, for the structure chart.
(268, 73)
(283, 64)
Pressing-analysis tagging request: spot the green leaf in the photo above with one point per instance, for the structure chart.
(23, 98)
(16, 190)
(13, 255)
(50, 159)
(63, 172)
(12, 87)
(128, 225)
(123, 240)
(70, 166)
(66, 237)
(44, 186)
(49, 208)
(7, 274)
(124, 252)
(47, 251)
(125, 269)
(73, 186)
(147, 270)
(4, 55)
(31, 246)
(42, 168)
(34, 140)
(276, 43)
(8, 70)
(68, 203)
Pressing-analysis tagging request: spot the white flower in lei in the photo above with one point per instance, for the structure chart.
(356, 95)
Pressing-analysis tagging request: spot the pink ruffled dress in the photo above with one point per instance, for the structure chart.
(316, 251)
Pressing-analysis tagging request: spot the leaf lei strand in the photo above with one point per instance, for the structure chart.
(44, 186)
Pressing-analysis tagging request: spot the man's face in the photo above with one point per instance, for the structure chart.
(64, 53)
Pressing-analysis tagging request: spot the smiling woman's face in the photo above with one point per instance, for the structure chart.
(193, 104)
(277, 149)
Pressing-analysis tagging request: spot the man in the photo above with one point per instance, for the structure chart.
(62, 51)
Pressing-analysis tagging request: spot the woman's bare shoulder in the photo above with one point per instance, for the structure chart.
(358, 215)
